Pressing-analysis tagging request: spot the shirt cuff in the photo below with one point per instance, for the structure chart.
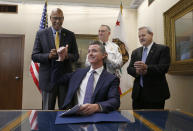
(101, 109)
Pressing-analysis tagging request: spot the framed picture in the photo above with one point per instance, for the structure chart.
(178, 28)
(83, 42)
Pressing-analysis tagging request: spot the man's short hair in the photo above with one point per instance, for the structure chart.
(149, 30)
(108, 28)
(101, 46)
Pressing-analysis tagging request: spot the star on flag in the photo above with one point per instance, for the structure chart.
(118, 23)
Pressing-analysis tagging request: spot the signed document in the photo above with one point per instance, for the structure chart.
(113, 116)
(71, 111)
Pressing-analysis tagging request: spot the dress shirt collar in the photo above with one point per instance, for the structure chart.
(106, 43)
(54, 31)
(98, 70)
(148, 47)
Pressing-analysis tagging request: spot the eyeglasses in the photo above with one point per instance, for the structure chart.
(57, 18)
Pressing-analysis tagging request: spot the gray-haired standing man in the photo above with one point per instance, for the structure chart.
(149, 64)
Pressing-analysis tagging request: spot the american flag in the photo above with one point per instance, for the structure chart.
(33, 120)
(34, 67)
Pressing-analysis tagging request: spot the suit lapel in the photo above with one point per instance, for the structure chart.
(99, 83)
(62, 38)
(140, 51)
(77, 79)
(80, 77)
(51, 39)
(151, 53)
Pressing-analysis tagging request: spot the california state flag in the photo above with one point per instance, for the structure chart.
(119, 39)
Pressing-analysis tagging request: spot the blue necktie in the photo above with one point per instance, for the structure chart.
(89, 88)
(144, 56)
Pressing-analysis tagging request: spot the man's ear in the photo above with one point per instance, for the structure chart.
(109, 33)
(105, 55)
(151, 34)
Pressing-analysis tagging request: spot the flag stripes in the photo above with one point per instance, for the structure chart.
(34, 69)
(33, 120)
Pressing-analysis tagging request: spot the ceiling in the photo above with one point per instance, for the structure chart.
(107, 3)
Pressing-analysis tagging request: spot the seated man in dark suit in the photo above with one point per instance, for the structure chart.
(93, 87)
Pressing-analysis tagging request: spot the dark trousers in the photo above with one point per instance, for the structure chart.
(49, 98)
(139, 103)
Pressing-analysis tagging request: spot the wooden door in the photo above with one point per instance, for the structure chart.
(11, 71)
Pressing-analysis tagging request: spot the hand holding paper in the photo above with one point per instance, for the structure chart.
(85, 109)
(71, 111)
(88, 109)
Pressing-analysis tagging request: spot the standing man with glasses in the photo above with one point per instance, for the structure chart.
(148, 65)
(46, 43)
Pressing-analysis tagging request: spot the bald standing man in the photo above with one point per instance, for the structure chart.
(46, 43)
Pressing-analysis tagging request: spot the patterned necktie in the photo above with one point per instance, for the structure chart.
(144, 56)
(89, 88)
(57, 41)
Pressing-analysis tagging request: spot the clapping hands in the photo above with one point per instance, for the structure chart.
(141, 67)
(62, 53)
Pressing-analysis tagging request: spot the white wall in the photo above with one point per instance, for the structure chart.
(79, 19)
(181, 87)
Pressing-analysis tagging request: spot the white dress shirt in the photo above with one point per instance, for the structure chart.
(81, 91)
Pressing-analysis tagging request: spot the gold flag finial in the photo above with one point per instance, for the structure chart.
(121, 7)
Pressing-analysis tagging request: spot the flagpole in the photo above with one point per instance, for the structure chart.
(121, 8)
(34, 67)
(119, 38)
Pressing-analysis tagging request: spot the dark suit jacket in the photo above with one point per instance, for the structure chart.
(155, 87)
(44, 42)
(106, 92)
